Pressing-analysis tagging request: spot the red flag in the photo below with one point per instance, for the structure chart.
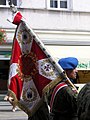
(30, 70)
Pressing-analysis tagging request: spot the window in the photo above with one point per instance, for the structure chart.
(59, 4)
(63, 3)
(53, 3)
(6, 3)
(14, 2)
(2, 2)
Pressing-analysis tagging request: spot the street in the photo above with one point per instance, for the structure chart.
(7, 114)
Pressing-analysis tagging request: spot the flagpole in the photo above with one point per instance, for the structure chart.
(41, 45)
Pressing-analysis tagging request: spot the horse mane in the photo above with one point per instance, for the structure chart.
(83, 103)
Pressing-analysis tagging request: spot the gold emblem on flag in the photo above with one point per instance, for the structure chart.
(29, 94)
(46, 68)
(24, 39)
(27, 66)
(23, 36)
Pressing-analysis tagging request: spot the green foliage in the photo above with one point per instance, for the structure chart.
(2, 36)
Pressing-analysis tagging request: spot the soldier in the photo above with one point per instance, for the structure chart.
(63, 105)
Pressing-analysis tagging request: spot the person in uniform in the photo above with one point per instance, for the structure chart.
(63, 103)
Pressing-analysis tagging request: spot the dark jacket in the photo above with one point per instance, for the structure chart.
(83, 103)
(64, 105)
(41, 114)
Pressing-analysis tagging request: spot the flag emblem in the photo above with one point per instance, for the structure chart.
(47, 70)
(27, 61)
(30, 93)
(24, 38)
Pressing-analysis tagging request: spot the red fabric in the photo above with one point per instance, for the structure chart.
(17, 18)
(37, 50)
(27, 79)
(39, 80)
(27, 67)
(16, 86)
(16, 83)
(16, 52)
(27, 62)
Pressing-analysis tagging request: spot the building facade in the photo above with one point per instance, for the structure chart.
(62, 25)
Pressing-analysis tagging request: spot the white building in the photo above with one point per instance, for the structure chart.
(62, 25)
(56, 22)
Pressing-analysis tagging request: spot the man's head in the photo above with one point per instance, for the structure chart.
(69, 65)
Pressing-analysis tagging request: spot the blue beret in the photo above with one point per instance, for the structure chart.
(68, 63)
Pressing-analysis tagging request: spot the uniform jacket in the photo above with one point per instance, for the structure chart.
(63, 103)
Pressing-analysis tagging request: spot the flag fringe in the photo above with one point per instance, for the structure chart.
(18, 103)
(48, 88)
(28, 111)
